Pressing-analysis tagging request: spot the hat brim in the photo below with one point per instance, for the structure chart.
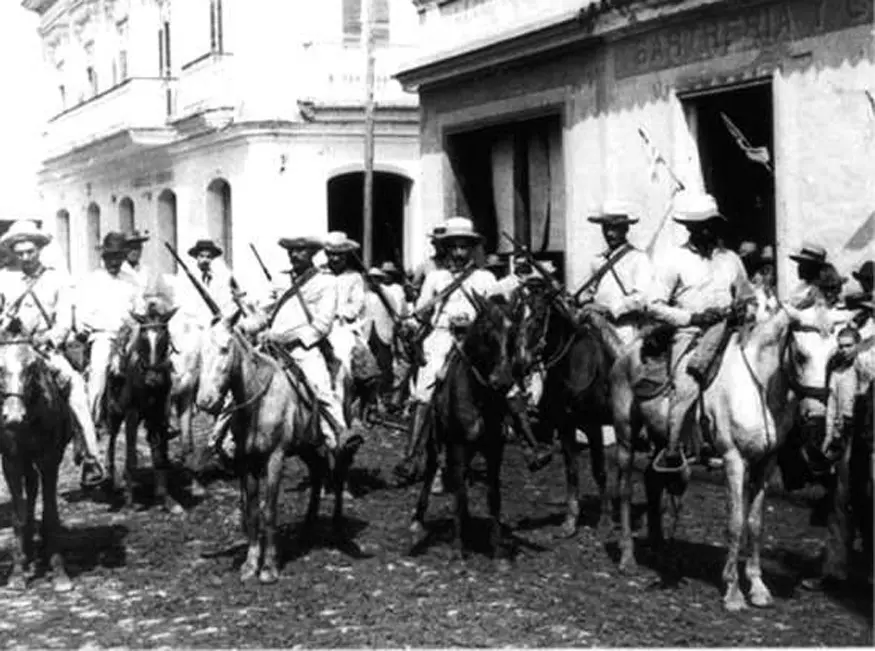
(346, 247)
(290, 243)
(39, 239)
(214, 251)
(614, 220)
(138, 240)
(473, 237)
(804, 258)
(700, 219)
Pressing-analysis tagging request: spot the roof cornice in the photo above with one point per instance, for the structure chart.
(39, 6)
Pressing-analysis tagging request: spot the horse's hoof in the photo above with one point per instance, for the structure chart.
(248, 572)
(416, 528)
(761, 598)
(568, 529)
(62, 583)
(17, 582)
(627, 566)
(173, 507)
(196, 489)
(734, 601)
(268, 575)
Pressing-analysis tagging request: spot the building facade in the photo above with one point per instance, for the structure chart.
(239, 120)
(532, 116)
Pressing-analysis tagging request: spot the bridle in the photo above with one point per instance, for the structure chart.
(802, 391)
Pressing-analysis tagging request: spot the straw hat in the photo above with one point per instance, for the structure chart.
(136, 237)
(812, 253)
(615, 213)
(376, 272)
(205, 245)
(459, 228)
(695, 208)
(389, 269)
(493, 261)
(339, 242)
(301, 242)
(24, 230)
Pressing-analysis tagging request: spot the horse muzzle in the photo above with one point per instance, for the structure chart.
(13, 412)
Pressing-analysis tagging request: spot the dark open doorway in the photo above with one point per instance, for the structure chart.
(744, 188)
(391, 192)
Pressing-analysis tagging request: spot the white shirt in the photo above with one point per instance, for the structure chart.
(217, 283)
(350, 296)
(638, 278)
(378, 316)
(456, 304)
(320, 295)
(104, 302)
(53, 289)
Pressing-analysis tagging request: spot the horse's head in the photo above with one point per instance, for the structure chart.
(18, 367)
(218, 357)
(809, 346)
(150, 347)
(490, 344)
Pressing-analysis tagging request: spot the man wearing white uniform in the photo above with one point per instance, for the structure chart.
(106, 298)
(380, 322)
(40, 297)
(630, 282)
(702, 281)
(300, 322)
(346, 332)
(132, 267)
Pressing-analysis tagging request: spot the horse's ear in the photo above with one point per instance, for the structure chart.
(139, 318)
(232, 320)
(165, 318)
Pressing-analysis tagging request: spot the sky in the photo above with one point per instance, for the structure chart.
(24, 110)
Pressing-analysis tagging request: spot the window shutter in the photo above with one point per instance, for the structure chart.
(381, 21)
(352, 21)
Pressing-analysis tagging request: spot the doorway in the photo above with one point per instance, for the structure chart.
(734, 130)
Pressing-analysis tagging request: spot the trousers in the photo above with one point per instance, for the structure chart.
(77, 400)
(685, 389)
(435, 348)
(101, 351)
(314, 368)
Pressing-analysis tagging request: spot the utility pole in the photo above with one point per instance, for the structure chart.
(368, 207)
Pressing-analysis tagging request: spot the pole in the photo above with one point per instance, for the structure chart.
(368, 207)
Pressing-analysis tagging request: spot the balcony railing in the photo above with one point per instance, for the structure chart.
(136, 103)
(335, 74)
(206, 83)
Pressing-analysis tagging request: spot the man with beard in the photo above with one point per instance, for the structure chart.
(42, 295)
(630, 283)
(703, 281)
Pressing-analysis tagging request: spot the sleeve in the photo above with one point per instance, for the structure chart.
(741, 285)
(84, 305)
(833, 412)
(664, 287)
(354, 305)
(427, 293)
(323, 311)
(63, 310)
(590, 292)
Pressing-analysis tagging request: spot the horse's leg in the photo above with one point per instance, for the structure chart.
(186, 403)
(112, 434)
(417, 526)
(626, 428)
(31, 492)
(274, 471)
(458, 462)
(15, 480)
(318, 469)
(759, 593)
(654, 484)
(597, 461)
(249, 485)
(51, 527)
(733, 599)
(572, 478)
(494, 453)
(161, 468)
(131, 422)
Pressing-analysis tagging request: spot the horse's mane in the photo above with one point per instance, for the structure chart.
(489, 320)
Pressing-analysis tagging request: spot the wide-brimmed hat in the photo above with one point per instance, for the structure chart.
(376, 272)
(459, 228)
(389, 269)
(695, 208)
(748, 249)
(205, 245)
(437, 231)
(339, 242)
(136, 237)
(865, 273)
(301, 242)
(812, 253)
(614, 213)
(493, 261)
(24, 230)
(114, 243)
(535, 276)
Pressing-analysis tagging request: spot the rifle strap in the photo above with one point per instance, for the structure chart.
(608, 266)
(292, 292)
(451, 289)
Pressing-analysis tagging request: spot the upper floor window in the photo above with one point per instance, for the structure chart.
(217, 44)
(121, 64)
(352, 21)
(164, 62)
(92, 80)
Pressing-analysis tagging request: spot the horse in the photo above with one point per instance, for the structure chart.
(577, 356)
(765, 376)
(468, 414)
(36, 428)
(273, 416)
(138, 386)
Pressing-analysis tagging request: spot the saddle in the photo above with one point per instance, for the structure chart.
(304, 390)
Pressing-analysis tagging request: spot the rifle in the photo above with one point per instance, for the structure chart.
(204, 294)
(558, 291)
(378, 290)
(261, 263)
(444, 294)
(605, 268)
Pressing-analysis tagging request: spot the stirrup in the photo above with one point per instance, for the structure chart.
(658, 463)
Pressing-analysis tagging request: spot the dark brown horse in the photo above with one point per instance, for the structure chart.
(270, 420)
(467, 414)
(577, 357)
(36, 427)
(139, 383)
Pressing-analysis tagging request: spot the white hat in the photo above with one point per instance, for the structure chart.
(339, 242)
(695, 208)
(24, 230)
(614, 211)
(459, 228)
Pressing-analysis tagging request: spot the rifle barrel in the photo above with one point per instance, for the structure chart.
(204, 294)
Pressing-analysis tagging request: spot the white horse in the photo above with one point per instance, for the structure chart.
(766, 378)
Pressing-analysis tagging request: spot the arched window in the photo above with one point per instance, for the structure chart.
(92, 236)
(62, 230)
(167, 230)
(126, 215)
(219, 221)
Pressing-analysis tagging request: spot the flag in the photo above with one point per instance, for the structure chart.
(756, 154)
(653, 154)
(863, 236)
(871, 101)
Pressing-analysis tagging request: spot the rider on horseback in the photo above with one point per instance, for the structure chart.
(42, 295)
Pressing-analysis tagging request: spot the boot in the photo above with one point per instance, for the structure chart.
(406, 470)
(538, 455)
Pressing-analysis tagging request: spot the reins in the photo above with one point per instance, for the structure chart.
(251, 400)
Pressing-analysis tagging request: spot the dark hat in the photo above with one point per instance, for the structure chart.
(205, 245)
(114, 243)
(614, 213)
(865, 272)
(813, 253)
(136, 237)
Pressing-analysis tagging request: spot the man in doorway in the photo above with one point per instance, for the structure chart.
(381, 333)
(703, 282)
(438, 259)
(810, 261)
(630, 282)
(39, 295)
(300, 323)
(106, 298)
